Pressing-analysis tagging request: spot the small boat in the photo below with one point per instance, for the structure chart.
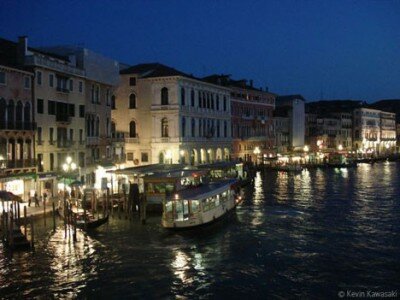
(84, 220)
(200, 205)
(91, 222)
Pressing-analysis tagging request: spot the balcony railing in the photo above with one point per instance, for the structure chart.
(63, 143)
(17, 125)
(52, 64)
(17, 164)
(63, 118)
(62, 90)
(165, 107)
(134, 140)
(92, 140)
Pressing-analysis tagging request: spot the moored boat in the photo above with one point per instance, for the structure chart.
(200, 205)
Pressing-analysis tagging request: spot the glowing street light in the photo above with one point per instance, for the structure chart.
(257, 151)
(340, 147)
(168, 156)
(306, 148)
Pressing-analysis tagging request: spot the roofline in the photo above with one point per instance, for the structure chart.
(16, 69)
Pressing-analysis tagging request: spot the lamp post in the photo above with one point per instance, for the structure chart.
(68, 167)
(256, 153)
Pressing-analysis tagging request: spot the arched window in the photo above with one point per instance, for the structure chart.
(161, 158)
(10, 115)
(97, 125)
(132, 129)
(112, 102)
(212, 101)
(182, 96)
(132, 101)
(18, 115)
(208, 101)
(225, 129)
(200, 100)
(164, 96)
(217, 102)
(183, 126)
(192, 98)
(3, 112)
(27, 116)
(193, 127)
(113, 129)
(97, 94)
(164, 127)
(200, 128)
(218, 129)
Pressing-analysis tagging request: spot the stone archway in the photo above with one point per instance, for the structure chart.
(203, 156)
(210, 155)
(226, 154)
(219, 154)
(161, 158)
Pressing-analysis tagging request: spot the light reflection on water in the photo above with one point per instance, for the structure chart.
(309, 234)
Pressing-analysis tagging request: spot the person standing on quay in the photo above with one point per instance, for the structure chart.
(36, 200)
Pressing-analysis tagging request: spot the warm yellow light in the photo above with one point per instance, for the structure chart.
(256, 150)
(1, 157)
(73, 166)
(65, 167)
(182, 153)
(340, 147)
(168, 154)
(387, 146)
(306, 149)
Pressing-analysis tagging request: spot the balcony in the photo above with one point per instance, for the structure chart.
(63, 118)
(54, 65)
(17, 125)
(62, 90)
(165, 107)
(17, 164)
(118, 136)
(132, 140)
(93, 140)
(63, 143)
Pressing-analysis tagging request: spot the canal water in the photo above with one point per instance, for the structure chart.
(311, 234)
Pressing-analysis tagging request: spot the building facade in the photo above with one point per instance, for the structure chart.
(374, 131)
(17, 135)
(294, 107)
(59, 112)
(252, 122)
(167, 116)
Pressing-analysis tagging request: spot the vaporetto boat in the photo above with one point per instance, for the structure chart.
(200, 205)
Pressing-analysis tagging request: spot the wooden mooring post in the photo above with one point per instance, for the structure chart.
(25, 222)
(54, 217)
(32, 233)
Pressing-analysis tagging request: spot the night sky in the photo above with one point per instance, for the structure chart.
(320, 49)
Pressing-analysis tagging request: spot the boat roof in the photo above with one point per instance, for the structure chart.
(219, 165)
(149, 169)
(175, 174)
(203, 191)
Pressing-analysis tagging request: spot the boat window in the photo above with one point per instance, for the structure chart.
(195, 206)
(168, 207)
(216, 200)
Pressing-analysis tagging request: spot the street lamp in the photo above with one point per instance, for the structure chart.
(306, 148)
(340, 147)
(256, 152)
(69, 166)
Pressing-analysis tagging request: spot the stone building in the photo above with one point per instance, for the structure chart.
(252, 122)
(293, 105)
(168, 116)
(17, 135)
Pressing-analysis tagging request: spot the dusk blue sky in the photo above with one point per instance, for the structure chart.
(329, 49)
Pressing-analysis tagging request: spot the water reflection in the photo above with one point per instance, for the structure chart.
(292, 230)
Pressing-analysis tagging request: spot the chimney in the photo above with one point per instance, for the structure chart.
(22, 49)
(251, 82)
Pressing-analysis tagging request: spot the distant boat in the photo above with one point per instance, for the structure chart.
(288, 168)
(201, 205)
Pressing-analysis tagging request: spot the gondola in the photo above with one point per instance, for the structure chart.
(85, 221)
